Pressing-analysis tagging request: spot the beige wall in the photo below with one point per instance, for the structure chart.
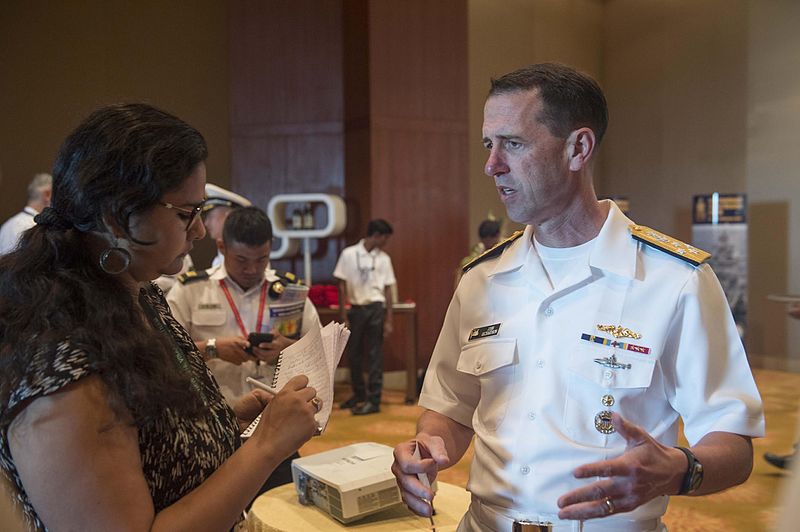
(60, 60)
(504, 36)
(676, 83)
(773, 122)
(701, 100)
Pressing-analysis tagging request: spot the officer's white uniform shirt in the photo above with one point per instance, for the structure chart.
(13, 228)
(531, 391)
(367, 273)
(218, 259)
(166, 282)
(203, 310)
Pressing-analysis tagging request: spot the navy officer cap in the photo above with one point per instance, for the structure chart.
(217, 196)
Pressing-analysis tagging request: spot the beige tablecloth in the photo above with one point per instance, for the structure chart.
(278, 511)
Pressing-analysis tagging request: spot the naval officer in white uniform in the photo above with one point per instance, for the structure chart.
(222, 305)
(571, 351)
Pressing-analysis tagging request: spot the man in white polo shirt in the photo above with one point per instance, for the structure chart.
(366, 277)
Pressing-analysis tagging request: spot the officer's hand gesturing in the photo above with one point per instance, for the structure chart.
(647, 469)
(232, 349)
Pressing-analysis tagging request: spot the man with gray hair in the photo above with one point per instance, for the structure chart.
(39, 191)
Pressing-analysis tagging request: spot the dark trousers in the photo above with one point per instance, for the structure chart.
(366, 341)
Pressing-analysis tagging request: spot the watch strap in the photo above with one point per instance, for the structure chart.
(694, 473)
(211, 348)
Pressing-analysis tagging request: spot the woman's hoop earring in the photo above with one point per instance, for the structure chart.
(113, 255)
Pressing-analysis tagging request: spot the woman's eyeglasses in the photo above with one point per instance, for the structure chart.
(190, 213)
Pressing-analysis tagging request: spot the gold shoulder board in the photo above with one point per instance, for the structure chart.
(666, 243)
(491, 252)
(287, 278)
(191, 276)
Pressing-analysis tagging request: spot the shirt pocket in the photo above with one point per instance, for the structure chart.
(494, 363)
(594, 388)
(209, 317)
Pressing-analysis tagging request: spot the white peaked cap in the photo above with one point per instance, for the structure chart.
(220, 196)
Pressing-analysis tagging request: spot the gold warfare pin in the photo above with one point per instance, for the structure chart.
(618, 331)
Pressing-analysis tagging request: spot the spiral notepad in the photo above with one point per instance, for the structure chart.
(274, 383)
(315, 355)
(251, 428)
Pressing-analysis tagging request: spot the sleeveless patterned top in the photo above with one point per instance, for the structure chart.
(177, 453)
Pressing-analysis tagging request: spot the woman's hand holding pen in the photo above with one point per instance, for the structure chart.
(250, 405)
(288, 420)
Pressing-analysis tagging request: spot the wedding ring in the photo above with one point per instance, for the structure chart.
(609, 505)
(317, 403)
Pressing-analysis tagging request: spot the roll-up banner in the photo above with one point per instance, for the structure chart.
(720, 227)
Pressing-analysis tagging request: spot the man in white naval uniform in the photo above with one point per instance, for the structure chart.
(39, 191)
(571, 350)
(219, 326)
(219, 204)
(219, 307)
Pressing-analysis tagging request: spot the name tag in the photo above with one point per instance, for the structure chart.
(482, 332)
(209, 306)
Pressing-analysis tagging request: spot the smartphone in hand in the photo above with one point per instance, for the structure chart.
(258, 338)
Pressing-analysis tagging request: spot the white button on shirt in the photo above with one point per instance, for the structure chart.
(367, 274)
(203, 310)
(490, 383)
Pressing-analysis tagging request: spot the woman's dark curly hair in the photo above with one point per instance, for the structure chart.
(117, 163)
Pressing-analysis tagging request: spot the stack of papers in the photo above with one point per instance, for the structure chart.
(315, 355)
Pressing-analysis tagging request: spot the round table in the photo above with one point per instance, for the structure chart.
(278, 511)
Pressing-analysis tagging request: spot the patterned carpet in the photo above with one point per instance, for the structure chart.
(749, 507)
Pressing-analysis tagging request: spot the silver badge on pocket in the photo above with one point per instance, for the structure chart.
(611, 362)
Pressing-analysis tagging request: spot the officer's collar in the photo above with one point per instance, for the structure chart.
(514, 256)
(614, 250)
(220, 273)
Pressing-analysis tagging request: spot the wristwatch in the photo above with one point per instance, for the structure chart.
(211, 348)
(694, 475)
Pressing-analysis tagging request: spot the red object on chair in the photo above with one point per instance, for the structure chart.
(324, 295)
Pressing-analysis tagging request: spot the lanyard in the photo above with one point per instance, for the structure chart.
(235, 310)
